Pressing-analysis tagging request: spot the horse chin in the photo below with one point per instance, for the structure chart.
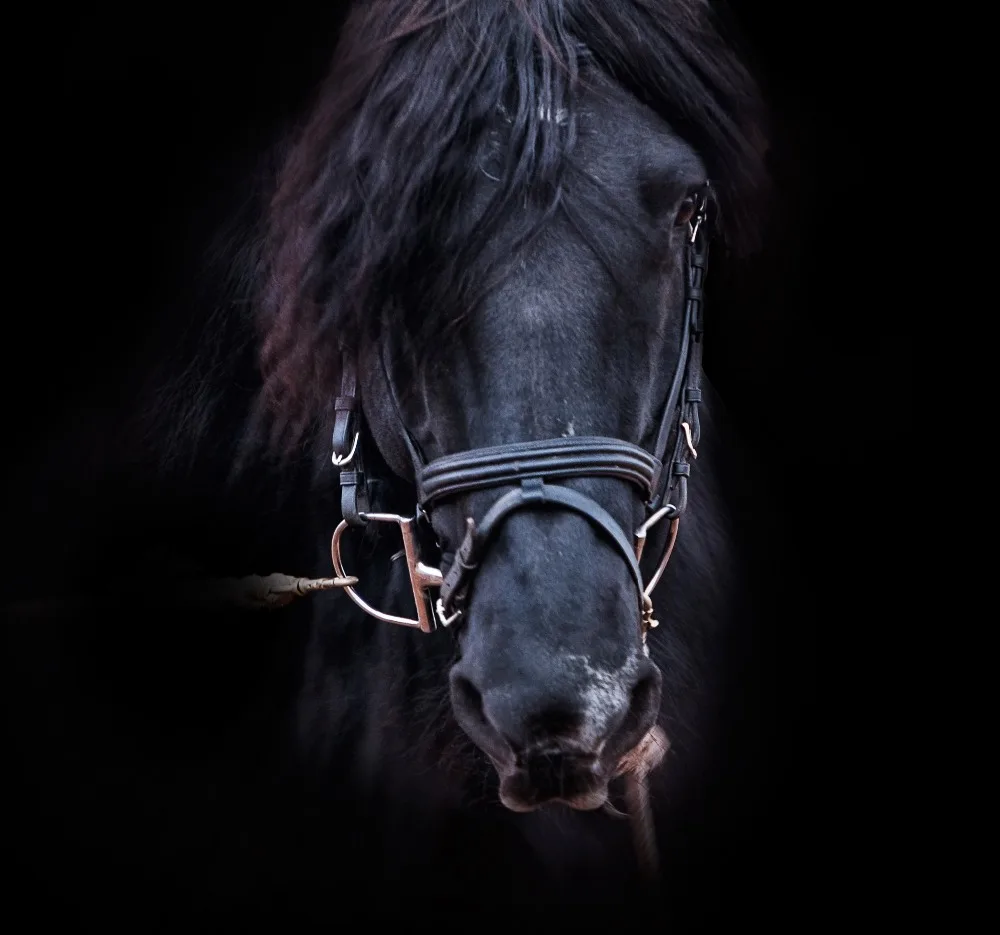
(517, 798)
(516, 805)
(587, 802)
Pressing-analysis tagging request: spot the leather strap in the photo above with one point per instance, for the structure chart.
(346, 408)
(532, 493)
(586, 456)
(685, 392)
(354, 496)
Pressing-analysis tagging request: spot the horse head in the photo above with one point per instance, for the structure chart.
(490, 242)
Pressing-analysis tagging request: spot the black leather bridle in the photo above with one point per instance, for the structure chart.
(534, 469)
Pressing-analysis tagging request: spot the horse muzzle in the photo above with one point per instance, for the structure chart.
(552, 776)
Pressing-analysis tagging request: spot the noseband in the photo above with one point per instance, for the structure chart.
(535, 469)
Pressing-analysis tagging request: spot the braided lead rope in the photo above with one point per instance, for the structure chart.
(264, 593)
(254, 592)
(636, 766)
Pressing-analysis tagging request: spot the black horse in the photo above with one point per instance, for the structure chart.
(490, 231)
(482, 270)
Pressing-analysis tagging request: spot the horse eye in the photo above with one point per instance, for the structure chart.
(686, 211)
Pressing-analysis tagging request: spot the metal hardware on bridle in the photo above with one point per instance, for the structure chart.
(534, 470)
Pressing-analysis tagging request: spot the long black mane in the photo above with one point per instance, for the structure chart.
(367, 213)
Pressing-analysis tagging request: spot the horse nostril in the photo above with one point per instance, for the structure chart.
(644, 703)
(468, 695)
(470, 712)
(467, 698)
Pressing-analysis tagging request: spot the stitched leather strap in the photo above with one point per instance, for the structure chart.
(345, 406)
(354, 499)
(685, 392)
(533, 492)
(587, 456)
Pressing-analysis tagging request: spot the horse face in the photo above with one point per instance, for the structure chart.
(579, 338)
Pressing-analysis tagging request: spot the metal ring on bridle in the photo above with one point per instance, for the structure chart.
(422, 577)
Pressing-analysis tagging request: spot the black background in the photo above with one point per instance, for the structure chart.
(142, 130)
